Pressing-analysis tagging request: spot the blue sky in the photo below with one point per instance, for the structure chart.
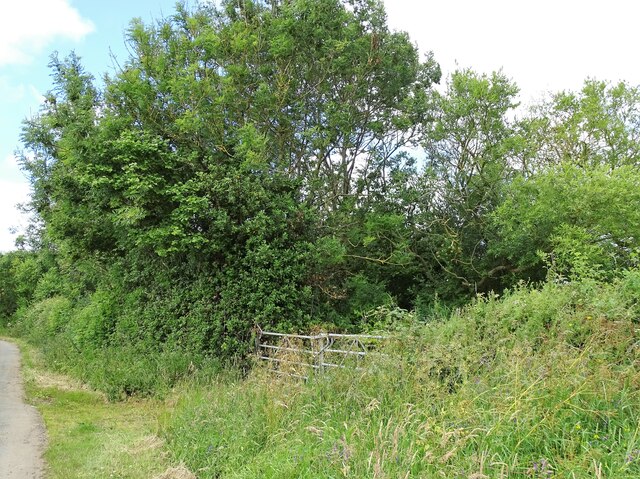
(544, 45)
(30, 30)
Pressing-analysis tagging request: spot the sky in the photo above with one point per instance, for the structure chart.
(543, 45)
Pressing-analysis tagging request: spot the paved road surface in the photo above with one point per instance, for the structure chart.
(22, 435)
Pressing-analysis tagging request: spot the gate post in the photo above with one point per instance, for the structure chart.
(258, 332)
(322, 340)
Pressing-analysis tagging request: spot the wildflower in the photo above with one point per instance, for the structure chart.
(541, 468)
(632, 456)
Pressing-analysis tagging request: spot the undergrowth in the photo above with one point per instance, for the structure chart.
(73, 339)
(536, 384)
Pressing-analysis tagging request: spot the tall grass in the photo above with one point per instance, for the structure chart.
(536, 384)
(67, 337)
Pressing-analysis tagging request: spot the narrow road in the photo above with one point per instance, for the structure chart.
(22, 434)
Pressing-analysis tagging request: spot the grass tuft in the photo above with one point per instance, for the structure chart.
(180, 472)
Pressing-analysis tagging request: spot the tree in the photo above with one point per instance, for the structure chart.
(232, 142)
(600, 125)
(468, 150)
(582, 221)
(58, 144)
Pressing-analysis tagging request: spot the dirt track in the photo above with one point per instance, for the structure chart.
(22, 434)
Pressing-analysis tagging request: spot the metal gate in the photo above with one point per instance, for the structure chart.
(300, 355)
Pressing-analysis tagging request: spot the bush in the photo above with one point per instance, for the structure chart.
(537, 383)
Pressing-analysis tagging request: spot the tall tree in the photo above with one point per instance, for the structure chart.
(468, 149)
(229, 144)
(599, 125)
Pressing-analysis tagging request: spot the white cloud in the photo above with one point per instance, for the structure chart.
(10, 169)
(542, 45)
(14, 189)
(10, 93)
(27, 26)
(9, 163)
(35, 93)
(11, 193)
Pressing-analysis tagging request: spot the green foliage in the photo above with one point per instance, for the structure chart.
(204, 170)
(597, 126)
(8, 293)
(536, 383)
(583, 222)
(250, 164)
(21, 275)
(67, 338)
(468, 146)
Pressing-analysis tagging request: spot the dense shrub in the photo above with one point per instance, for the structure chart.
(537, 383)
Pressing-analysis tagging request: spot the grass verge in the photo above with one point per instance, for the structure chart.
(90, 437)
